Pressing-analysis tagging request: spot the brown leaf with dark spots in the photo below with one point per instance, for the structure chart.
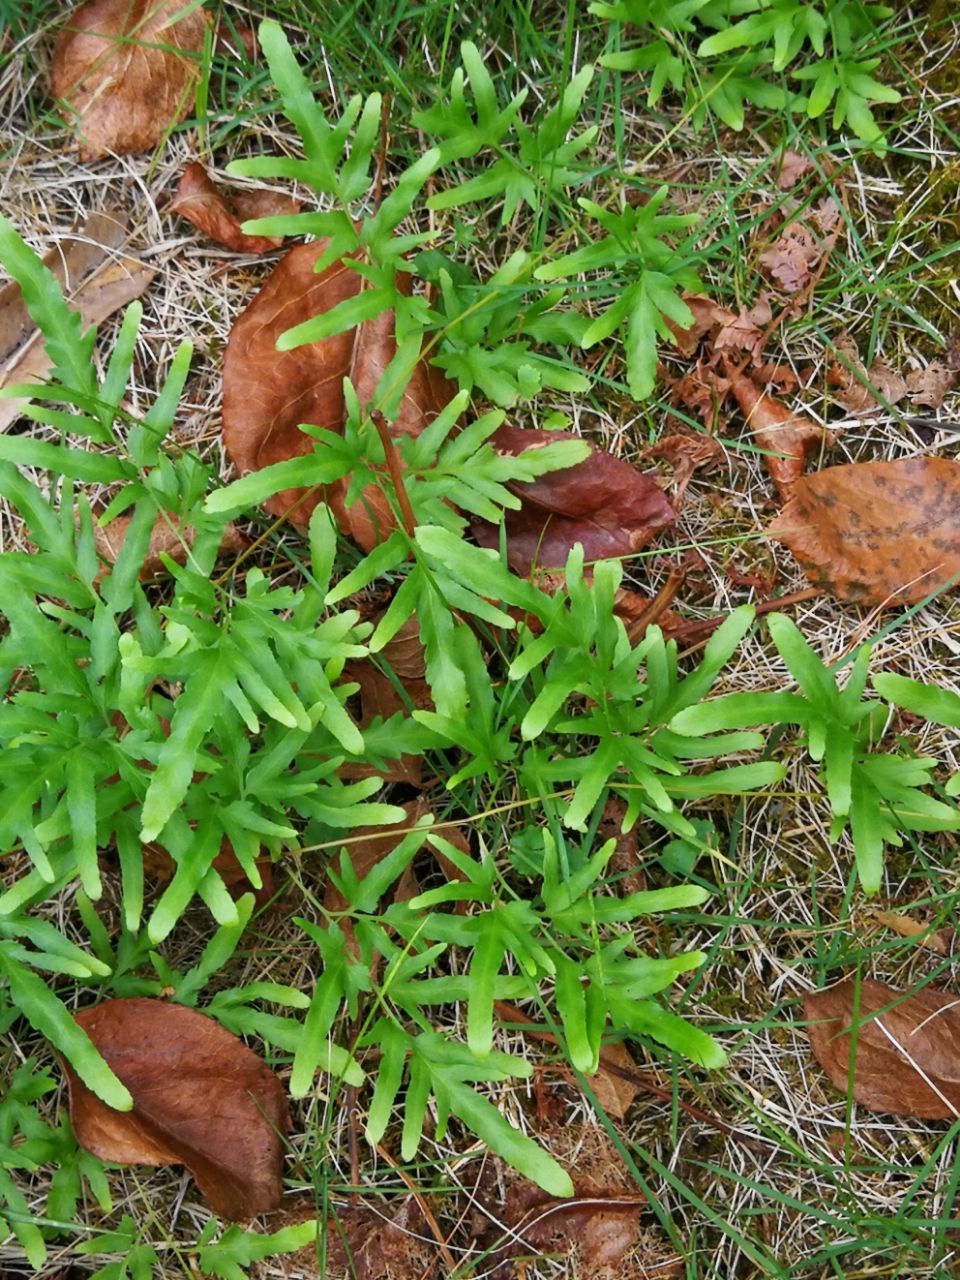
(167, 537)
(267, 393)
(787, 438)
(201, 202)
(604, 503)
(201, 1098)
(95, 281)
(907, 1055)
(126, 71)
(929, 386)
(876, 533)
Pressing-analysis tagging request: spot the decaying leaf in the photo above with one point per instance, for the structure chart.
(126, 71)
(746, 331)
(858, 389)
(597, 1232)
(792, 257)
(167, 537)
(787, 438)
(909, 927)
(364, 1241)
(603, 503)
(95, 281)
(686, 451)
(929, 386)
(403, 656)
(791, 168)
(159, 867)
(201, 1099)
(907, 1059)
(201, 202)
(876, 533)
(708, 318)
(268, 393)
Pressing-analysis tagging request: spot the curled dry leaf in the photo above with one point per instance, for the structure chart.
(787, 438)
(907, 1058)
(686, 451)
(126, 70)
(708, 318)
(929, 386)
(791, 258)
(746, 330)
(201, 202)
(167, 537)
(603, 503)
(910, 927)
(267, 393)
(597, 1232)
(201, 1098)
(858, 389)
(95, 281)
(791, 169)
(876, 533)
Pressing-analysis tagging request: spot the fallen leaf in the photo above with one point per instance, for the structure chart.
(201, 1098)
(708, 318)
(686, 451)
(201, 202)
(792, 257)
(268, 393)
(876, 533)
(167, 537)
(404, 657)
(746, 330)
(596, 1234)
(159, 867)
(929, 386)
(858, 389)
(908, 927)
(791, 169)
(603, 503)
(787, 438)
(907, 1059)
(126, 71)
(625, 860)
(95, 281)
(363, 1241)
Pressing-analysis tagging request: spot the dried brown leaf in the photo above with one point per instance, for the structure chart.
(201, 202)
(95, 282)
(596, 1233)
(268, 393)
(201, 1099)
(126, 70)
(159, 867)
(708, 318)
(745, 331)
(603, 503)
(909, 927)
(860, 390)
(792, 257)
(791, 169)
(167, 537)
(907, 1059)
(876, 533)
(929, 386)
(787, 438)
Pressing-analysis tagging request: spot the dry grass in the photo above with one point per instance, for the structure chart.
(797, 1176)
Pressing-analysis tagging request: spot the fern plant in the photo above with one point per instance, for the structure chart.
(718, 57)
